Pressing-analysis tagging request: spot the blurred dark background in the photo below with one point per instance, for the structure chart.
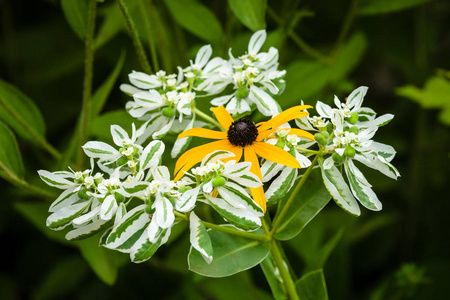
(328, 48)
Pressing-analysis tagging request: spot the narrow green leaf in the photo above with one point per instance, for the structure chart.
(196, 18)
(232, 254)
(312, 197)
(10, 158)
(273, 278)
(251, 13)
(312, 286)
(20, 113)
(373, 7)
(76, 12)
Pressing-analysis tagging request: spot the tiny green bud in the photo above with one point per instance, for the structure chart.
(354, 129)
(119, 197)
(168, 112)
(218, 181)
(135, 151)
(330, 127)
(320, 139)
(280, 144)
(83, 194)
(325, 135)
(338, 158)
(184, 189)
(353, 118)
(241, 93)
(349, 152)
(148, 208)
(121, 161)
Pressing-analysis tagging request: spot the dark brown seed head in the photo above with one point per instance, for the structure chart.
(242, 133)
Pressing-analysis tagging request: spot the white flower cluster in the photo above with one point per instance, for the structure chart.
(349, 138)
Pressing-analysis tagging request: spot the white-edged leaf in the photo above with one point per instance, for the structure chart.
(339, 190)
(151, 154)
(135, 188)
(144, 249)
(187, 200)
(203, 55)
(163, 212)
(216, 156)
(144, 81)
(355, 99)
(269, 169)
(199, 238)
(256, 41)
(237, 106)
(281, 185)
(108, 208)
(264, 102)
(118, 134)
(324, 110)
(382, 120)
(55, 180)
(87, 230)
(100, 150)
(66, 214)
(241, 218)
(68, 197)
(180, 145)
(361, 188)
(239, 193)
(84, 218)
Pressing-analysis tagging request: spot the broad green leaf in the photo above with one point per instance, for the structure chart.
(76, 12)
(273, 278)
(373, 7)
(312, 286)
(196, 18)
(232, 254)
(20, 113)
(55, 284)
(251, 13)
(37, 213)
(10, 158)
(104, 262)
(313, 196)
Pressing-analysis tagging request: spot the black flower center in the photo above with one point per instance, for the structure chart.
(242, 133)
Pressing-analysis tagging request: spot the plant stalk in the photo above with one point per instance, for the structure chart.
(208, 118)
(284, 272)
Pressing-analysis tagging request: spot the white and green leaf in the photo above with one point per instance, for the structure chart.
(199, 238)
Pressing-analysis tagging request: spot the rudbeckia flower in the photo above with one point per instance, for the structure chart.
(243, 136)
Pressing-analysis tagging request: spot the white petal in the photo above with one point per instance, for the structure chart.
(203, 56)
(256, 42)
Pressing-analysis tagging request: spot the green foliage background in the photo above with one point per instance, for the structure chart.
(399, 49)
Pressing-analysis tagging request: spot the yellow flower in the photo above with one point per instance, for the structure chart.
(244, 136)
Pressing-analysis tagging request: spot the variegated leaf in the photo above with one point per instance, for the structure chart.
(199, 238)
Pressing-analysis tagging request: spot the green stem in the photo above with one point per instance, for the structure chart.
(346, 27)
(207, 118)
(284, 272)
(135, 37)
(151, 42)
(22, 184)
(249, 235)
(87, 86)
(291, 199)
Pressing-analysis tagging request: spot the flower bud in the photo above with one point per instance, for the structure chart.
(218, 181)
(322, 137)
(349, 152)
(353, 119)
(241, 93)
(330, 127)
(168, 112)
(83, 194)
(354, 129)
(338, 158)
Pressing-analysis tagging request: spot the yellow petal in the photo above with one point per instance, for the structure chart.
(284, 117)
(275, 154)
(301, 133)
(250, 156)
(259, 197)
(204, 133)
(223, 116)
(262, 134)
(195, 155)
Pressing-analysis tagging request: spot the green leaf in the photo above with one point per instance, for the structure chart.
(196, 18)
(76, 12)
(10, 158)
(105, 263)
(435, 94)
(273, 278)
(373, 7)
(232, 254)
(20, 113)
(312, 286)
(55, 284)
(313, 196)
(250, 12)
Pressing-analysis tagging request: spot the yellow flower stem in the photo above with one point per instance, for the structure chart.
(249, 235)
(291, 199)
(207, 118)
